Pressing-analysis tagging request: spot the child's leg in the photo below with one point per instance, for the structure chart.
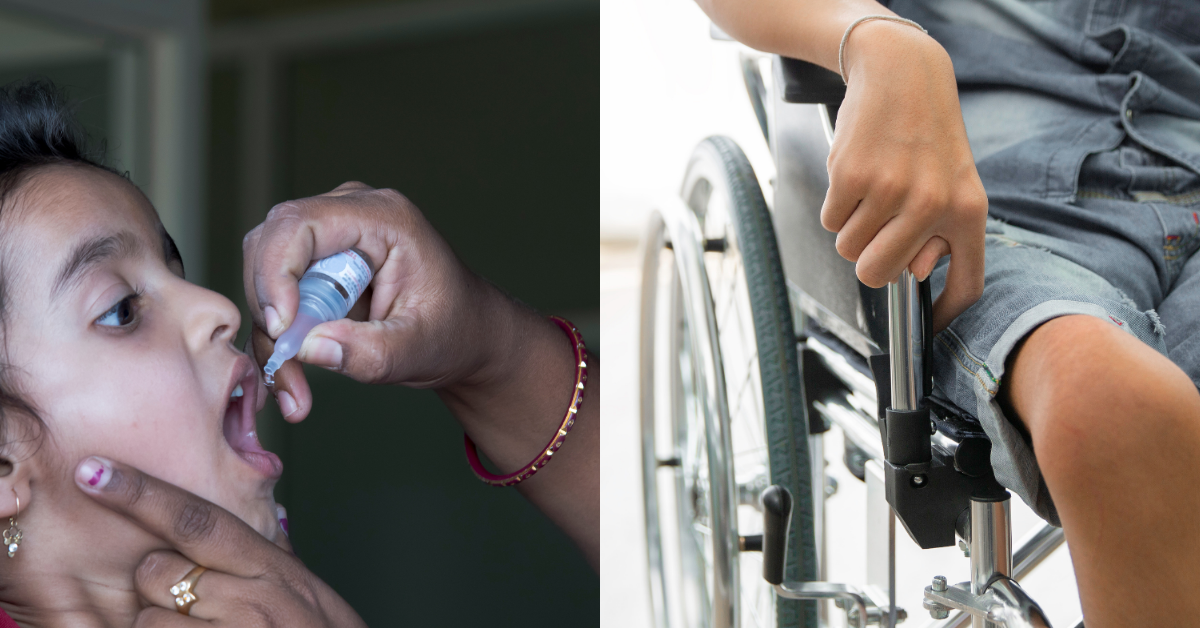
(1116, 431)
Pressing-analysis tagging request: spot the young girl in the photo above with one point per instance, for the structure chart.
(108, 350)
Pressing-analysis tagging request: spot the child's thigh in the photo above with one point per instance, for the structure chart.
(1027, 284)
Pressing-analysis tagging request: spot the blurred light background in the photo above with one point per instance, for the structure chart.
(665, 86)
(482, 112)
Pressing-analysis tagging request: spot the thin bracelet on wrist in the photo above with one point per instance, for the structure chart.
(547, 453)
(867, 18)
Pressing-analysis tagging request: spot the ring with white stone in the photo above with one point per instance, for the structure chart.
(185, 590)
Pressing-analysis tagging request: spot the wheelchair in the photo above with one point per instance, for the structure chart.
(752, 349)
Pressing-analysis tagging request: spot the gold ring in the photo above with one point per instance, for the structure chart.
(185, 590)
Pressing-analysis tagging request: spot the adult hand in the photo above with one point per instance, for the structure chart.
(424, 321)
(504, 371)
(250, 581)
(903, 189)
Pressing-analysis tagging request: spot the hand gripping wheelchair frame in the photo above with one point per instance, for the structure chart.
(751, 348)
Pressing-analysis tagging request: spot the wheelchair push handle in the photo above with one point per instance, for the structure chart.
(906, 336)
(906, 435)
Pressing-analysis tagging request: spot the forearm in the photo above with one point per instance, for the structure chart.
(513, 409)
(804, 29)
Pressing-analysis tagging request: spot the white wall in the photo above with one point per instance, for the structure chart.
(664, 86)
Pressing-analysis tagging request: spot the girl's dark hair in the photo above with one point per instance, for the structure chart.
(37, 128)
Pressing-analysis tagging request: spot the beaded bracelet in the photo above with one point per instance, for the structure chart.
(543, 457)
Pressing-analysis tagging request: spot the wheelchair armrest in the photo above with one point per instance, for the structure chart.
(804, 82)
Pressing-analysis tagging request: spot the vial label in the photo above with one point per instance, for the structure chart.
(348, 269)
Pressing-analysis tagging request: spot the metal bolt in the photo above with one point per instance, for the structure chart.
(939, 583)
(918, 481)
(936, 610)
(1129, 114)
(831, 486)
(966, 549)
(932, 427)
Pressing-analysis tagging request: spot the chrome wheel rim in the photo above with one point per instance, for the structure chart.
(691, 536)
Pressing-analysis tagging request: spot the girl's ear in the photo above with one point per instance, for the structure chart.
(14, 485)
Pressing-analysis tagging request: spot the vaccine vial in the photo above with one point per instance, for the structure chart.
(328, 289)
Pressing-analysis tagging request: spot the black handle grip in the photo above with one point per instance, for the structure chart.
(777, 518)
(927, 337)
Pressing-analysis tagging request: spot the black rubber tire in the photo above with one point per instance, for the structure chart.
(782, 382)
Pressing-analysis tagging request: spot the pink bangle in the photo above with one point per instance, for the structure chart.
(543, 457)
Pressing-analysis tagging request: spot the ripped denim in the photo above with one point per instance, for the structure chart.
(1123, 250)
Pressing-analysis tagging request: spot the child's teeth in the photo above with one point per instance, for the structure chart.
(237, 392)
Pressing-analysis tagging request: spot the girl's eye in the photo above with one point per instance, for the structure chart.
(121, 314)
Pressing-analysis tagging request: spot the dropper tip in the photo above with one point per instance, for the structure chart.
(271, 367)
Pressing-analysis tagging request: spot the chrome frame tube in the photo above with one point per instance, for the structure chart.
(854, 425)
(826, 123)
(881, 536)
(991, 547)
(905, 341)
(1035, 547)
(816, 452)
(857, 382)
(891, 568)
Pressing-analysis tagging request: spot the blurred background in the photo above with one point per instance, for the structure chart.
(484, 113)
(665, 85)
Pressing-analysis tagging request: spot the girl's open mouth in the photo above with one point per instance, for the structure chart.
(240, 426)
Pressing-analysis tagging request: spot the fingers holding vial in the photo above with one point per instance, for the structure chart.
(329, 289)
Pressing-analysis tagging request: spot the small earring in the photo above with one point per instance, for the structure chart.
(12, 536)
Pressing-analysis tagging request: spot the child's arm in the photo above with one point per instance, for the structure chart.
(802, 29)
(903, 186)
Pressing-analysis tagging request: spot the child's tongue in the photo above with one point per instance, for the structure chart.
(240, 432)
(234, 430)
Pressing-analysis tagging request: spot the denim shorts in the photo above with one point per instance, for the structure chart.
(1122, 251)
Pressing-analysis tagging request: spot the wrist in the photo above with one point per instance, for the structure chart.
(881, 44)
(504, 332)
(485, 337)
(516, 398)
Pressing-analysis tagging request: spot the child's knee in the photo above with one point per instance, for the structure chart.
(1094, 397)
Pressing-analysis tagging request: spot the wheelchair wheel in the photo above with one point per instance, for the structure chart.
(728, 418)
